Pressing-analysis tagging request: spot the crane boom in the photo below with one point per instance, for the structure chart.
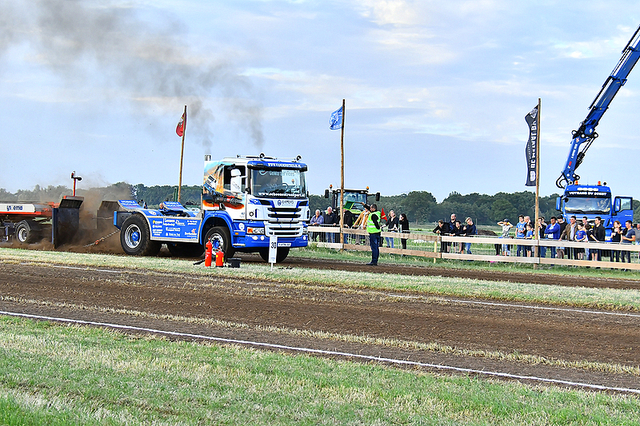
(586, 133)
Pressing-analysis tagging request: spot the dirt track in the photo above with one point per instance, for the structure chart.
(270, 312)
(538, 278)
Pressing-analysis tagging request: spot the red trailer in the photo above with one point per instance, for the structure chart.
(29, 223)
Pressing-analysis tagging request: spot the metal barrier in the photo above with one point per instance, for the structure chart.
(483, 248)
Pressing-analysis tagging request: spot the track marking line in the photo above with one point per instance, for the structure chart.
(329, 353)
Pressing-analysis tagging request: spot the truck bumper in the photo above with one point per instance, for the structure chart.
(262, 241)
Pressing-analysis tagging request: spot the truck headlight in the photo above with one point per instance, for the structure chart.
(255, 231)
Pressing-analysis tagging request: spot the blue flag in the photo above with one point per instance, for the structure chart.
(335, 122)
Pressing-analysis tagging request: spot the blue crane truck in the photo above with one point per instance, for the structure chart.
(596, 200)
(245, 202)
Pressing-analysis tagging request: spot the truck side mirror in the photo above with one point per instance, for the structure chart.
(559, 204)
(377, 196)
(326, 193)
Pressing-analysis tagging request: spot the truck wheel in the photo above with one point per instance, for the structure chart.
(185, 249)
(282, 254)
(25, 233)
(134, 237)
(219, 237)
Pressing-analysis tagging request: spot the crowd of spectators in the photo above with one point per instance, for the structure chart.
(456, 228)
(524, 229)
(557, 229)
(575, 230)
(392, 223)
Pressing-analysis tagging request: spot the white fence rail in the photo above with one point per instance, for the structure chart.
(483, 248)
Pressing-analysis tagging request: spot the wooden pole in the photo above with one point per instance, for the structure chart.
(537, 233)
(344, 114)
(184, 131)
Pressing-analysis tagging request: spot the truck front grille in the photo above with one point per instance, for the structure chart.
(284, 222)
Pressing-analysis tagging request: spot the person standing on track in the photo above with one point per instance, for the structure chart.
(373, 228)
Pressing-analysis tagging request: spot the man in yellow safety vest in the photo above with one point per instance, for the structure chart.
(373, 228)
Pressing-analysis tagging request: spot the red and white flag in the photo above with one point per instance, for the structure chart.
(182, 125)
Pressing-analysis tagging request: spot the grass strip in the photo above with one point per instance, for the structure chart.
(315, 252)
(59, 374)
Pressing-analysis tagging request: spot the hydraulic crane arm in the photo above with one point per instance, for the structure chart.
(586, 133)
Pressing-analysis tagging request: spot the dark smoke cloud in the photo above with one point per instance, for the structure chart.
(147, 60)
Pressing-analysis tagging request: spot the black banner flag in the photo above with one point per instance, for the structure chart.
(531, 150)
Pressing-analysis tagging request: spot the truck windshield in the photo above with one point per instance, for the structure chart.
(279, 183)
(584, 205)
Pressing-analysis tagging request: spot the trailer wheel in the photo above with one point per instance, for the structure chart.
(134, 237)
(281, 255)
(185, 249)
(219, 237)
(25, 233)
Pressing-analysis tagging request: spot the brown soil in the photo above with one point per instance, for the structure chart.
(264, 311)
(535, 278)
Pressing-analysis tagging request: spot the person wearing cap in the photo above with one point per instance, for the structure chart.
(373, 228)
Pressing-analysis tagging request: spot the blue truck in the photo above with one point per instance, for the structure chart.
(596, 200)
(245, 202)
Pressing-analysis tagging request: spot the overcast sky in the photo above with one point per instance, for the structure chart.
(436, 92)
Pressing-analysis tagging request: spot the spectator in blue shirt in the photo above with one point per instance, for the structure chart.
(552, 232)
(521, 231)
(469, 229)
(316, 220)
(529, 236)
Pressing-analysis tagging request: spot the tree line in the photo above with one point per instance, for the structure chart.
(420, 207)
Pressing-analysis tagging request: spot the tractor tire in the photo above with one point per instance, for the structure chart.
(220, 238)
(135, 237)
(26, 233)
(281, 255)
(185, 249)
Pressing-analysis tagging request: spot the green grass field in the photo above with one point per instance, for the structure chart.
(69, 375)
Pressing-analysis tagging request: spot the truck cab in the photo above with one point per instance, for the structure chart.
(595, 200)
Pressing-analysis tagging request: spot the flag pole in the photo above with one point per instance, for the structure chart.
(344, 113)
(184, 131)
(537, 233)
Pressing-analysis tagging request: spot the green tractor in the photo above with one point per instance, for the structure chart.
(354, 202)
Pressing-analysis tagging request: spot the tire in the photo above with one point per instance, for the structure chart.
(134, 237)
(219, 237)
(26, 233)
(282, 254)
(185, 249)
